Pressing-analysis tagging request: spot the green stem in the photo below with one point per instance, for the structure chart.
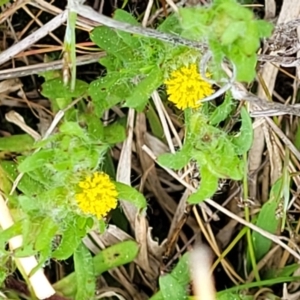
(230, 247)
(247, 218)
(70, 45)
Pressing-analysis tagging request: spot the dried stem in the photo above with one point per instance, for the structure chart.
(50, 66)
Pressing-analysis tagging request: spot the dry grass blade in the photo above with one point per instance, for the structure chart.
(32, 38)
(17, 119)
(49, 66)
(124, 168)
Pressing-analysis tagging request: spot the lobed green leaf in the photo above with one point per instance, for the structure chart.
(171, 288)
(130, 194)
(208, 186)
(244, 139)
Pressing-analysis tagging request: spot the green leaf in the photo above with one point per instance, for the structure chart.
(87, 158)
(72, 128)
(2, 2)
(174, 161)
(244, 139)
(116, 255)
(107, 259)
(36, 160)
(193, 21)
(114, 133)
(171, 289)
(36, 181)
(108, 91)
(3, 272)
(47, 231)
(222, 111)
(218, 56)
(56, 90)
(245, 66)
(10, 168)
(27, 185)
(181, 273)
(124, 16)
(107, 39)
(130, 194)
(5, 180)
(142, 91)
(154, 122)
(234, 31)
(264, 29)
(95, 127)
(131, 40)
(233, 10)
(85, 277)
(178, 160)
(182, 270)
(211, 155)
(7, 234)
(230, 30)
(281, 272)
(70, 241)
(170, 25)
(43, 258)
(111, 63)
(108, 166)
(208, 186)
(250, 41)
(267, 221)
(27, 203)
(16, 143)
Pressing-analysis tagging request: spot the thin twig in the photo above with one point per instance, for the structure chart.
(172, 5)
(50, 66)
(268, 108)
(285, 61)
(147, 13)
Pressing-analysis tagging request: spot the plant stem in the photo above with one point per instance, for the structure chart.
(247, 218)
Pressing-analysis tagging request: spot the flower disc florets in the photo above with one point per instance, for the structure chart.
(186, 87)
(98, 195)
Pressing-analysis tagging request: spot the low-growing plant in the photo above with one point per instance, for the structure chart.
(68, 184)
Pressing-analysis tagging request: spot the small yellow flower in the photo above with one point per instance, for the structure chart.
(186, 87)
(98, 195)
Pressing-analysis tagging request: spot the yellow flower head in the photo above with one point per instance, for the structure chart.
(186, 87)
(98, 195)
